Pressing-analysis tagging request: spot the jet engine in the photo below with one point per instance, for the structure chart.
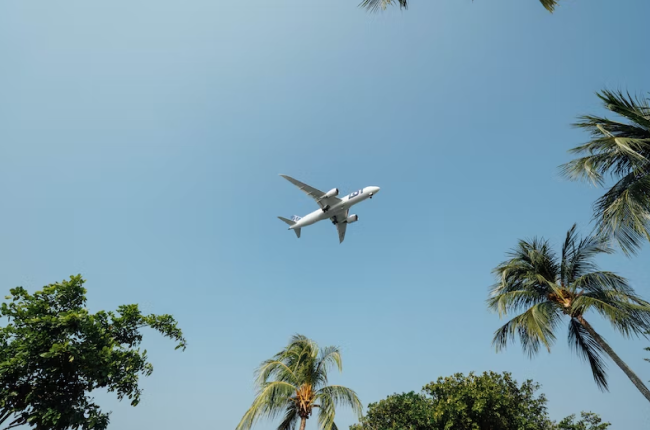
(352, 218)
(331, 193)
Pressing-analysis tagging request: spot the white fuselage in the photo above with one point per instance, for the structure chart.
(346, 203)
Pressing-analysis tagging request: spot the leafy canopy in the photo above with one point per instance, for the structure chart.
(489, 401)
(294, 382)
(588, 421)
(410, 411)
(548, 287)
(53, 352)
(619, 149)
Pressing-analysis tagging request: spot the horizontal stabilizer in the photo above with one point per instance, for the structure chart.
(288, 221)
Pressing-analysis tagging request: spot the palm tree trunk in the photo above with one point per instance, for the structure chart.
(635, 379)
(303, 423)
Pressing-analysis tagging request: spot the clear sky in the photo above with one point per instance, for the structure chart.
(141, 142)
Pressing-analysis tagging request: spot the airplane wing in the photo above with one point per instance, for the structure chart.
(341, 226)
(313, 193)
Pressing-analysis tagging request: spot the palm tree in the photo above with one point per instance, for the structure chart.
(548, 288)
(374, 5)
(621, 149)
(294, 381)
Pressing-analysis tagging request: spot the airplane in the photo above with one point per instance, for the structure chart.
(332, 207)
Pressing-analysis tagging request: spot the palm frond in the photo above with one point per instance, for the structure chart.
(624, 212)
(376, 5)
(616, 147)
(588, 349)
(514, 301)
(341, 396)
(620, 150)
(541, 258)
(607, 155)
(326, 413)
(628, 313)
(277, 370)
(549, 4)
(600, 127)
(290, 418)
(532, 267)
(578, 255)
(534, 327)
(599, 281)
(569, 243)
(335, 395)
(589, 168)
(329, 356)
(269, 402)
(632, 108)
(300, 356)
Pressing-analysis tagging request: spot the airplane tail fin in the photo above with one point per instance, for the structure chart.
(288, 221)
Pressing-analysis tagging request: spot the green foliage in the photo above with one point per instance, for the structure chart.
(375, 5)
(53, 352)
(490, 401)
(589, 421)
(407, 411)
(294, 382)
(548, 287)
(619, 149)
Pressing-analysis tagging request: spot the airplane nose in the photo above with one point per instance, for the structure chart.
(375, 190)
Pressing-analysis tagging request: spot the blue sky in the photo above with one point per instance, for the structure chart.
(141, 142)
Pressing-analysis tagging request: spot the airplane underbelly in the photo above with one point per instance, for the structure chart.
(313, 217)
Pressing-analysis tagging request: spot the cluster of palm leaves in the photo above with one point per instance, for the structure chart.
(619, 149)
(550, 288)
(375, 5)
(294, 383)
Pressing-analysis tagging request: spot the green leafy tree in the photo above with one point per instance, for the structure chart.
(589, 421)
(53, 352)
(294, 382)
(406, 411)
(490, 401)
(374, 5)
(619, 149)
(549, 288)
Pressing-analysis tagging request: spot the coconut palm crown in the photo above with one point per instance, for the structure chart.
(621, 150)
(375, 5)
(549, 287)
(294, 383)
